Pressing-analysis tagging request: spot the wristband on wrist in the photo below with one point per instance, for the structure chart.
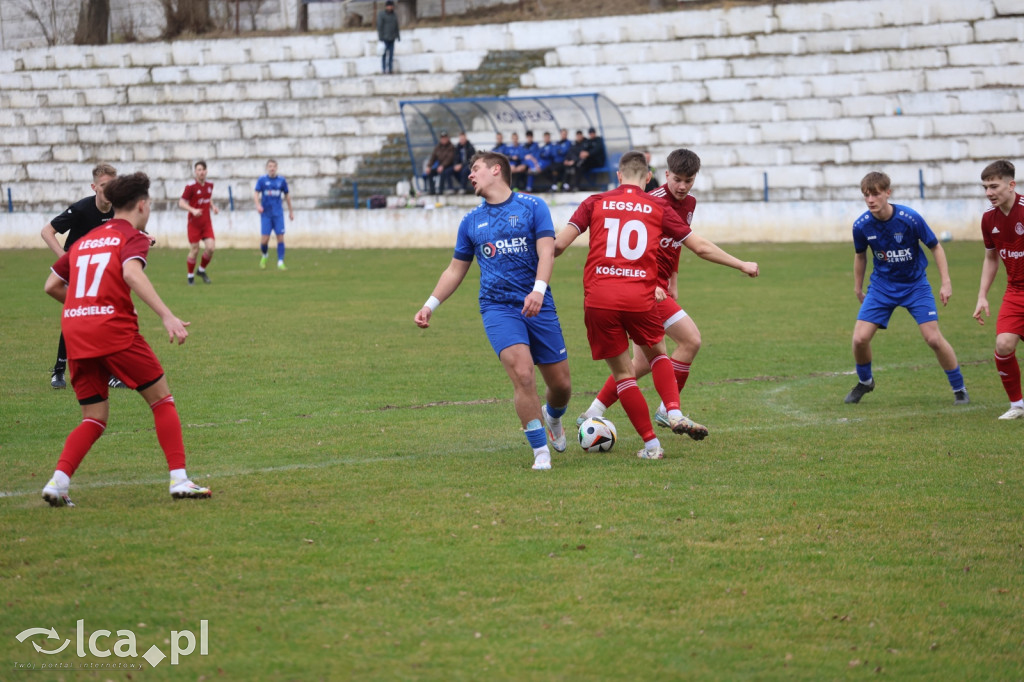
(432, 303)
(540, 286)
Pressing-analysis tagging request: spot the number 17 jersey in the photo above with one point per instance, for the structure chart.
(626, 226)
(99, 316)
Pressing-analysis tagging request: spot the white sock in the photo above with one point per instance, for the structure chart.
(652, 444)
(661, 407)
(596, 409)
(202, 270)
(61, 479)
(542, 456)
(675, 414)
(178, 475)
(1018, 403)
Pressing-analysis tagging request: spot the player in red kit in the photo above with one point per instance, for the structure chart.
(197, 200)
(619, 283)
(683, 166)
(1002, 229)
(95, 280)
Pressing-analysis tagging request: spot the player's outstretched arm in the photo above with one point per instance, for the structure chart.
(989, 268)
(446, 285)
(946, 286)
(566, 237)
(709, 251)
(136, 278)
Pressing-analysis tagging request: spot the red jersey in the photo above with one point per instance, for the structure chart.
(668, 254)
(1006, 233)
(626, 227)
(198, 196)
(99, 315)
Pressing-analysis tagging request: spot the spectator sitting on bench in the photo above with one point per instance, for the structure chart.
(593, 155)
(572, 164)
(516, 160)
(441, 162)
(531, 157)
(464, 152)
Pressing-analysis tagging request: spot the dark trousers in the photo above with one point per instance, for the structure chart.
(387, 60)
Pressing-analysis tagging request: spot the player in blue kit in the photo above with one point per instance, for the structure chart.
(513, 239)
(270, 194)
(895, 233)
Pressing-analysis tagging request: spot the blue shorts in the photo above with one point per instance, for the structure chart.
(506, 326)
(271, 222)
(918, 299)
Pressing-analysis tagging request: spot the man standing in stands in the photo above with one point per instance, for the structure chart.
(387, 32)
(78, 220)
(592, 156)
(196, 200)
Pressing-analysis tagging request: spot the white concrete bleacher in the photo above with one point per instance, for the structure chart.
(317, 104)
(813, 94)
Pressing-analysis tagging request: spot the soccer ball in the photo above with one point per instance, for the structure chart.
(597, 434)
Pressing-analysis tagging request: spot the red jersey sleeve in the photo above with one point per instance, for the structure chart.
(137, 246)
(187, 194)
(582, 216)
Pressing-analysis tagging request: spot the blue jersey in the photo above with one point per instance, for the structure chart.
(562, 150)
(896, 244)
(272, 191)
(503, 237)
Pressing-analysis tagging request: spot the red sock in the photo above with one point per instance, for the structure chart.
(636, 408)
(78, 443)
(191, 265)
(168, 432)
(608, 395)
(1009, 372)
(665, 382)
(682, 371)
(205, 260)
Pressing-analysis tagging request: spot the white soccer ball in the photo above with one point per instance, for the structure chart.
(597, 434)
(946, 236)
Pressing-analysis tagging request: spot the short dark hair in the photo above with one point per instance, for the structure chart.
(125, 191)
(199, 163)
(999, 169)
(874, 182)
(683, 163)
(495, 159)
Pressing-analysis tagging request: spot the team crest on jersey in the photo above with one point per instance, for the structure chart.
(898, 237)
(689, 218)
(513, 220)
(1019, 229)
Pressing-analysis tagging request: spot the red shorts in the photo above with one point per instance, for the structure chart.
(197, 233)
(1011, 313)
(609, 331)
(136, 366)
(669, 312)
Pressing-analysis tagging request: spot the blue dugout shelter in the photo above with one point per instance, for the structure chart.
(482, 117)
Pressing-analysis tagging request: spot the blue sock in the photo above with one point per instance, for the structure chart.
(263, 249)
(956, 379)
(556, 412)
(864, 373)
(536, 434)
(280, 251)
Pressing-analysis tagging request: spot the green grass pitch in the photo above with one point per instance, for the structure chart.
(375, 516)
